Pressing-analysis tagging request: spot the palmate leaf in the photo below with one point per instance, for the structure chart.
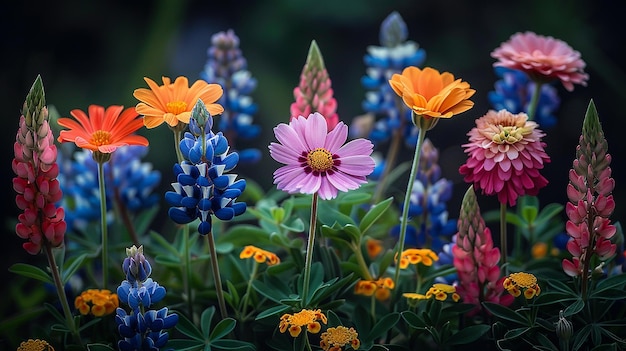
(505, 313)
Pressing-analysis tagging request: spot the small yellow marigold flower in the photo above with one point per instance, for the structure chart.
(539, 250)
(441, 291)
(415, 256)
(96, 302)
(415, 296)
(295, 322)
(379, 288)
(336, 338)
(519, 282)
(35, 345)
(259, 255)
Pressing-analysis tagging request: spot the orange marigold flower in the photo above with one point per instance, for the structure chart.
(172, 103)
(96, 302)
(415, 256)
(379, 288)
(35, 345)
(294, 322)
(338, 337)
(259, 255)
(102, 130)
(432, 94)
(519, 282)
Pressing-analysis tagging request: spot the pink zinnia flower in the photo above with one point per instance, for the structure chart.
(317, 161)
(542, 58)
(505, 154)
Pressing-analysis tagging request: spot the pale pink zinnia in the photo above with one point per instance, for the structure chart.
(317, 161)
(542, 58)
(505, 155)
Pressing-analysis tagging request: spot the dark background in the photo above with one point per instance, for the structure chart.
(97, 52)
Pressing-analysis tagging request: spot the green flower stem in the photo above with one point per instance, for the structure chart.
(534, 100)
(246, 297)
(407, 200)
(503, 246)
(58, 284)
(309, 250)
(103, 225)
(216, 274)
(187, 271)
(358, 254)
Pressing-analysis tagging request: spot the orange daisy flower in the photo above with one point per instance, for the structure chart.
(432, 94)
(102, 130)
(172, 103)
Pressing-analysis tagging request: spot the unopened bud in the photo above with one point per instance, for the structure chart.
(564, 328)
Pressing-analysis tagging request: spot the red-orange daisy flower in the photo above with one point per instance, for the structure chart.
(102, 130)
(172, 103)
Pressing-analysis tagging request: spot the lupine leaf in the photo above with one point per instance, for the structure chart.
(30, 271)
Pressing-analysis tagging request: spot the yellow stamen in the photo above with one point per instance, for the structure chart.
(100, 137)
(320, 160)
(176, 107)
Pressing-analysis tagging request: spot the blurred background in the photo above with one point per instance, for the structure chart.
(97, 52)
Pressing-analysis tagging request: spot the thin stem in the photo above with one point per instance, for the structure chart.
(56, 277)
(534, 100)
(407, 199)
(103, 225)
(309, 250)
(361, 261)
(187, 271)
(503, 246)
(216, 274)
(246, 297)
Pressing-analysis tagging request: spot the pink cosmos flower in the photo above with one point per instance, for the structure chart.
(505, 155)
(542, 58)
(317, 161)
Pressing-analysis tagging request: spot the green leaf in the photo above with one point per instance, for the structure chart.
(205, 320)
(72, 267)
(228, 344)
(505, 313)
(383, 325)
(574, 308)
(617, 281)
(468, 334)
(185, 345)
(548, 212)
(373, 214)
(581, 336)
(516, 332)
(280, 309)
(30, 271)
(222, 328)
(186, 327)
(529, 213)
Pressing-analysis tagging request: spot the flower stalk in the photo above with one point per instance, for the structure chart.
(309, 250)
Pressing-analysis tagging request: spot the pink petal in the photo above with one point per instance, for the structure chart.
(336, 138)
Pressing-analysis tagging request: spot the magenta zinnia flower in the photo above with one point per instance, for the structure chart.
(505, 155)
(542, 58)
(317, 161)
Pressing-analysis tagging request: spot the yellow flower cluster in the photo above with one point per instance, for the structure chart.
(35, 345)
(295, 322)
(379, 288)
(259, 255)
(515, 283)
(333, 339)
(415, 256)
(438, 291)
(374, 247)
(96, 302)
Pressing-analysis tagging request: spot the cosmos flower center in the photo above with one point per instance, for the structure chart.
(100, 137)
(176, 107)
(320, 159)
(508, 135)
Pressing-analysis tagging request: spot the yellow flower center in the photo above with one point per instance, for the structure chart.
(101, 137)
(509, 135)
(523, 279)
(35, 345)
(320, 160)
(176, 107)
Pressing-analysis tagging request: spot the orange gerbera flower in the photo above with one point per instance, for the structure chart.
(102, 130)
(431, 94)
(172, 103)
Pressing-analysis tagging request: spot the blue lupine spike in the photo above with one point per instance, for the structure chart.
(179, 216)
(230, 161)
(220, 144)
(239, 208)
(204, 227)
(189, 202)
(231, 193)
(225, 213)
(209, 151)
(173, 199)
